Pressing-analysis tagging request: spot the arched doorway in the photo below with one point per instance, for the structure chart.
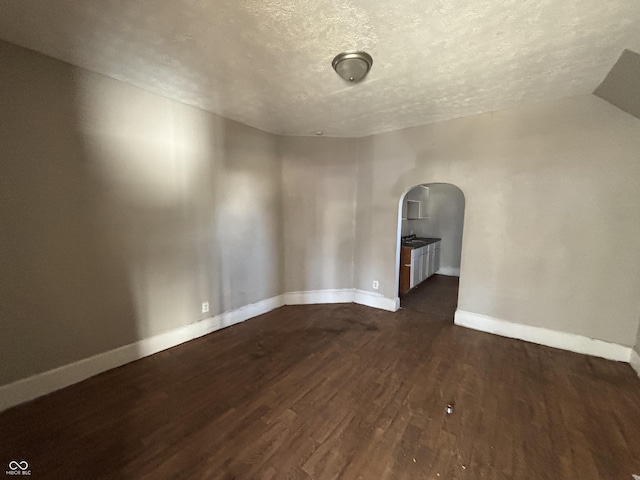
(429, 248)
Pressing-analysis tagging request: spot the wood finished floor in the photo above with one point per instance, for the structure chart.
(437, 295)
(339, 391)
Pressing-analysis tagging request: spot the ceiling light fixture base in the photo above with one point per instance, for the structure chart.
(352, 65)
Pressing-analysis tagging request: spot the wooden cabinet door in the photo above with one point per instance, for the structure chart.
(415, 270)
(405, 270)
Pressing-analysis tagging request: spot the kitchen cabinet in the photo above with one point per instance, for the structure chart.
(436, 257)
(416, 204)
(418, 264)
(425, 263)
(413, 210)
(405, 269)
(432, 262)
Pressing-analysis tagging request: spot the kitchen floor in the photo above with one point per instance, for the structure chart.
(437, 295)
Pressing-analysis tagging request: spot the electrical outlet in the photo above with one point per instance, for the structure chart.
(376, 285)
(205, 307)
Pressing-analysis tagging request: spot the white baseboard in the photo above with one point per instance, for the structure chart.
(61, 377)
(375, 300)
(449, 271)
(345, 295)
(543, 336)
(635, 361)
(52, 380)
(47, 382)
(309, 297)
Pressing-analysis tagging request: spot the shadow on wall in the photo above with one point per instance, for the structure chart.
(67, 291)
(319, 210)
(122, 212)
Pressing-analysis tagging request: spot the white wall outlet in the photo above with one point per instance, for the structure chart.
(376, 285)
(205, 307)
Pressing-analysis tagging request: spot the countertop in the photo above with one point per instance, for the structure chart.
(420, 242)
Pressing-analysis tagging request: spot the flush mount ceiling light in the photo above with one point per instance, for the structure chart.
(352, 66)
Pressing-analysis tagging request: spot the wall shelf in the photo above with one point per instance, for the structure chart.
(413, 209)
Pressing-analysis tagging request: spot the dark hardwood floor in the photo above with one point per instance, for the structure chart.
(437, 295)
(339, 391)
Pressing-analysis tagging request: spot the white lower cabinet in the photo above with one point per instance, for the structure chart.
(436, 258)
(425, 261)
(426, 256)
(416, 267)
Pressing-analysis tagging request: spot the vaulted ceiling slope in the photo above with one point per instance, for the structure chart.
(267, 63)
(621, 87)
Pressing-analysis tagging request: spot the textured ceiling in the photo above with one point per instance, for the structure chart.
(267, 63)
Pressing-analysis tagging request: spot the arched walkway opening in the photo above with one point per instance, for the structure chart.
(429, 248)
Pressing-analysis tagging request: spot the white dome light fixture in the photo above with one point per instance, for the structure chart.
(352, 66)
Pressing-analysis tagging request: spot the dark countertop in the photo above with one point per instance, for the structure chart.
(420, 242)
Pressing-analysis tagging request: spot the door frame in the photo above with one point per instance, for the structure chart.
(399, 235)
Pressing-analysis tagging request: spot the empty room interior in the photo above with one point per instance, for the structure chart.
(320, 239)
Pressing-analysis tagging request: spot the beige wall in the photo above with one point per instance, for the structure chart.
(319, 193)
(121, 212)
(446, 221)
(552, 222)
